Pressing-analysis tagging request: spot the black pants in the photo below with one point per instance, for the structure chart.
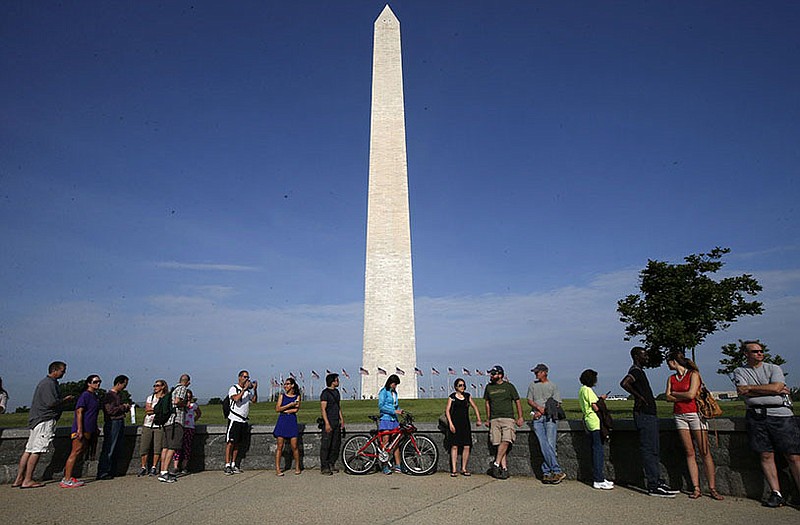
(329, 447)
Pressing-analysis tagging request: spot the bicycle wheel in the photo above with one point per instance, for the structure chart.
(356, 460)
(423, 458)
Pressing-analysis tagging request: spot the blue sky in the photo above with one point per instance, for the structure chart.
(183, 186)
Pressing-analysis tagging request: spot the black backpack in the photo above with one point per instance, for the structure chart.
(227, 405)
(162, 410)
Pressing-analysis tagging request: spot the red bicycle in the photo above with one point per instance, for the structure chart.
(419, 454)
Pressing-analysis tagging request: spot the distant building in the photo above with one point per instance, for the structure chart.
(729, 395)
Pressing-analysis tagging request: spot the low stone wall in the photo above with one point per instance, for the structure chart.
(738, 468)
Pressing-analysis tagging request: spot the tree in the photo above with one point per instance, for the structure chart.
(680, 304)
(736, 358)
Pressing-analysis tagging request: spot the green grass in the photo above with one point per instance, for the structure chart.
(424, 410)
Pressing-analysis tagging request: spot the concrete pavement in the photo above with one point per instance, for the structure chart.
(261, 497)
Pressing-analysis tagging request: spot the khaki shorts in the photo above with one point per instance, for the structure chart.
(502, 429)
(173, 437)
(151, 436)
(41, 436)
(690, 421)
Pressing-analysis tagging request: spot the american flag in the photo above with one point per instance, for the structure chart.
(291, 374)
(417, 371)
(450, 371)
(328, 371)
(399, 371)
(363, 371)
(344, 390)
(479, 372)
(473, 386)
(422, 390)
(345, 373)
(314, 375)
(301, 376)
(381, 371)
(434, 372)
(465, 372)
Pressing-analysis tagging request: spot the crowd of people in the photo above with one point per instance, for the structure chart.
(170, 415)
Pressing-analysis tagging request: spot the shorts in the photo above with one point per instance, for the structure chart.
(690, 421)
(151, 436)
(502, 429)
(387, 425)
(41, 436)
(773, 433)
(236, 432)
(173, 437)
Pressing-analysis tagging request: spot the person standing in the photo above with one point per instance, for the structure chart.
(45, 412)
(241, 395)
(84, 425)
(3, 398)
(389, 407)
(114, 411)
(287, 406)
(332, 426)
(152, 434)
(193, 413)
(645, 417)
(771, 425)
(545, 400)
(173, 428)
(502, 404)
(457, 412)
(588, 403)
(682, 389)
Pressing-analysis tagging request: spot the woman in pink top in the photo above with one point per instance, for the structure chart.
(682, 389)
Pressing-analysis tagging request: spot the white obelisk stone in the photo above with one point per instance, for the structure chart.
(389, 340)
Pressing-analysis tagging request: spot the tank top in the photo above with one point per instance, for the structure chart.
(682, 385)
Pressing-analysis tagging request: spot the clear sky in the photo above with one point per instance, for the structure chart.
(183, 185)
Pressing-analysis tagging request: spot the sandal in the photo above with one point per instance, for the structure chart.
(454, 474)
(716, 495)
(278, 473)
(696, 493)
(466, 473)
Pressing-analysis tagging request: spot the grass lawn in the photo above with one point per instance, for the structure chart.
(424, 410)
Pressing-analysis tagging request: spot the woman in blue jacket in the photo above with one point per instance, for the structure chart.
(389, 407)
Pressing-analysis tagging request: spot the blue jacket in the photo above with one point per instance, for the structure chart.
(387, 404)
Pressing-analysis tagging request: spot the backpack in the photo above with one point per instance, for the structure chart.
(162, 410)
(227, 405)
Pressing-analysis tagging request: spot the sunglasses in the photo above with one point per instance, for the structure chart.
(460, 385)
(755, 351)
(95, 382)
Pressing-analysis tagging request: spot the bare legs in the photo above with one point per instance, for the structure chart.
(700, 437)
(502, 450)
(27, 464)
(77, 449)
(464, 458)
(279, 453)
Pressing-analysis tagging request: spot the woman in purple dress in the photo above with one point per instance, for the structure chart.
(83, 426)
(286, 428)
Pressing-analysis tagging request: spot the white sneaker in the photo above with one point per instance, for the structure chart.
(609, 482)
(603, 485)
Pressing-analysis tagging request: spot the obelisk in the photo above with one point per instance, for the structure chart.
(389, 340)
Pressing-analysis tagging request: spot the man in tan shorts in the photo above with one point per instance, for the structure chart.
(502, 404)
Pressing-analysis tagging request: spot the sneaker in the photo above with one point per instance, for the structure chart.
(326, 472)
(495, 471)
(71, 483)
(173, 477)
(603, 485)
(547, 479)
(774, 501)
(558, 477)
(184, 472)
(666, 488)
(142, 472)
(387, 470)
(609, 482)
(659, 492)
(397, 468)
(504, 473)
(166, 477)
(237, 470)
(334, 470)
(153, 472)
(228, 471)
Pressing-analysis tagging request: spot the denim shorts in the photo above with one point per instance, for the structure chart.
(772, 433)
(387, 425)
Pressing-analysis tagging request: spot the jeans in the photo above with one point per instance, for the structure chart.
(598, 456)
(546, 432)
(647, 425)
(113, 433)
(329, 446)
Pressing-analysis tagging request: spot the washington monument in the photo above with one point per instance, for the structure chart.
(389, 340)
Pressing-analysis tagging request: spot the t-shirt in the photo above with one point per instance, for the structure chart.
(540, 392)
(685, 406)
(763, 375)
(46, 402)
(149, 419)
(191, 411)
(3, 400)
(112, 406)
(91, 408)
(642, 386)
(332, 397)
(240, 409)
(586, 397)
(501, 399)
(178, 412)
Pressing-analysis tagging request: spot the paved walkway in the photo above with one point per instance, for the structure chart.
(257, 497)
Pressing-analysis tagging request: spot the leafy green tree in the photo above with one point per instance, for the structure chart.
(680, 304)
(734, 358)
(215, 401)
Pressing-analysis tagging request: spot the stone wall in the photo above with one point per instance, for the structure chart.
(738, 469)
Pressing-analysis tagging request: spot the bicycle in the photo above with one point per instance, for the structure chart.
(419, 454)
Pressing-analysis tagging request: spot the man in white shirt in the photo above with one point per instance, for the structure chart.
(241, 395)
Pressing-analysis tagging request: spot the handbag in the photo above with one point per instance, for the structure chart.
(707, 406)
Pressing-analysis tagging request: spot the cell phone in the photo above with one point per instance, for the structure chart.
(608, 393)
